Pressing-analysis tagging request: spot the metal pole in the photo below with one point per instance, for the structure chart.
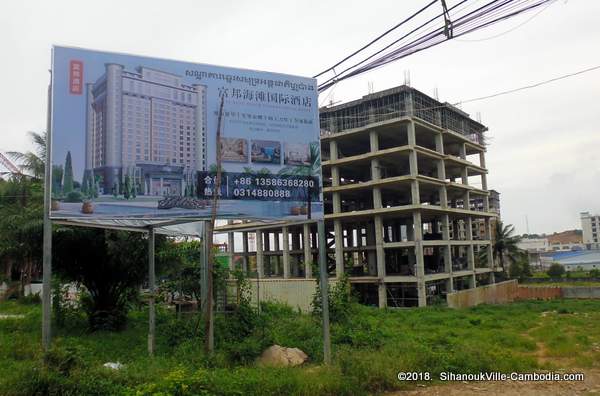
(47, 242)
(324, 281)
(209, 304)
(203, 268)
(152, 287)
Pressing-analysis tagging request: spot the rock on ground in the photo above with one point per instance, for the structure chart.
(280, 356)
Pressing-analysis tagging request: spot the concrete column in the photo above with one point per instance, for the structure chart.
(464, 176)
(414, 192)
(441, 169)
(230, 248)
(462, 149)
(374, 140)
(472, 281)
(482, 159)
(382, 294)
(335, 176)
(443, 196)
(245, 252)
(413, 164)
(339, 248)
(376, 175)
(377, 204)
(379, 251)
(285, 241)
(260, 264)
(447, 253)
(372, 255)
(337, 202)
(439, 143)
(308, 258)
(333, 150)
(276, 248)
(470, 251)
(412, 139)
(419, 258)
(484, 182)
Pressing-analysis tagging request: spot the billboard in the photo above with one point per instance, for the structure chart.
(135, 137)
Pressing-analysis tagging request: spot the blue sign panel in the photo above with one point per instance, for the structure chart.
(135, 137)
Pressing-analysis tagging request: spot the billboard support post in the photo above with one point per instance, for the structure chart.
(324, 280)
(47, 241)
(152, 288)
(209, 343)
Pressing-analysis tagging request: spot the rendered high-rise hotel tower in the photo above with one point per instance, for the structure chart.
(147, 126)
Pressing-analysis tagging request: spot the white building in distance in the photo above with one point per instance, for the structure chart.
(590, 224)
(147, 125)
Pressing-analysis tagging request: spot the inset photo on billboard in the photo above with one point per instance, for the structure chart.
(234, 150)
(266, 152)
(296, 153)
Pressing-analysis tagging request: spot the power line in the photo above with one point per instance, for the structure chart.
(509, 30)
(486, 15)
(525, 87)
(530, 86)
(376, 39)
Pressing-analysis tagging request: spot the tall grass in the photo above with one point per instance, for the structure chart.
(369, 348)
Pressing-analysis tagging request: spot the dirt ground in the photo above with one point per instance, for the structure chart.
(590, 386)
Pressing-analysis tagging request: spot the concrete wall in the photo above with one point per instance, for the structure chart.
(297, 293)
(557, 280)
(539, 293)
(496, 293)
(581, 292)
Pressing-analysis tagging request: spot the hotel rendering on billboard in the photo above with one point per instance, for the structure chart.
(147, 125)
(135, 137)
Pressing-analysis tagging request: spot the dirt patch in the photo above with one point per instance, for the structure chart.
(590, 386)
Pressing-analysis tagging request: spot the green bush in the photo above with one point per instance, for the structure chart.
(32, 298)
(556, 270)
(63, 359)
(74, 196)
(340, 299)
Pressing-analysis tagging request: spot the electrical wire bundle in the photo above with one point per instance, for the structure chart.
(458, 20)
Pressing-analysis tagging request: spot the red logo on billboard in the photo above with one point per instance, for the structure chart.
(75, 77)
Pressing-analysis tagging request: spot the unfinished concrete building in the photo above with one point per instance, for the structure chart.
(404, 187)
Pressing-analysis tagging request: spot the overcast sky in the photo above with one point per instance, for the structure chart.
(544, 153)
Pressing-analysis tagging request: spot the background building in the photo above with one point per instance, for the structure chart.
(146, 125)
(590, 224)
(566, 241)
(582, 260)
(404, 179)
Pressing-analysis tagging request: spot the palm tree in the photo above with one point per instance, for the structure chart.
(504, 247)
(33, 162)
